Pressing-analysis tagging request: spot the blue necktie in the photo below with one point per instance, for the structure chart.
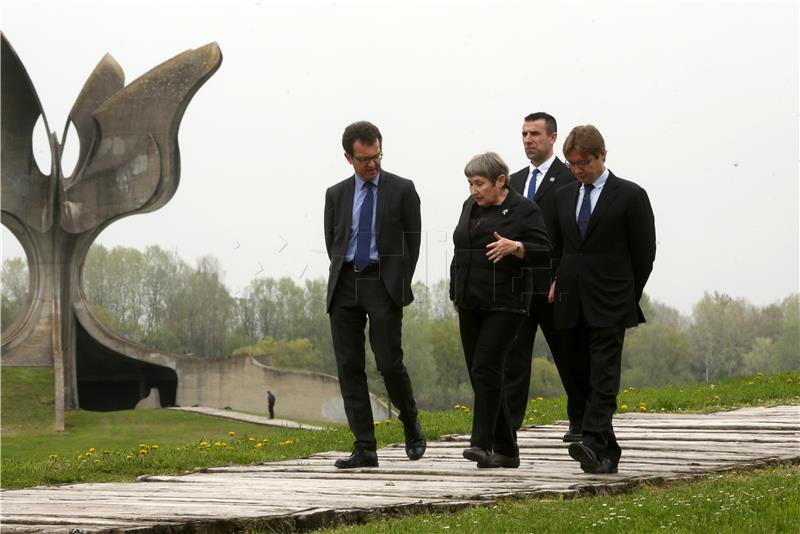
(364, 236)
(586, 209)
(532, 184)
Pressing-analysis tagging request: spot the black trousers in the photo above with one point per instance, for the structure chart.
(359, 296)
(486, 337)
(518, 362)
(595, 359)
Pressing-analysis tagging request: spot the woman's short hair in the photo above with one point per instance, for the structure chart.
(489, 165)
(586, 140)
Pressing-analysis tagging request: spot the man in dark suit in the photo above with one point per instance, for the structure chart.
(604, 246)
(372, 233)
(539, 182)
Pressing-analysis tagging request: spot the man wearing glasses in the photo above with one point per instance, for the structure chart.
(604, 246)
(372, 234)
(539, 182)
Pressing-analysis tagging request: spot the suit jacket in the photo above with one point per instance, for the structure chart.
(398, 228)
(505, 285)
(558, 175)
(603, 275)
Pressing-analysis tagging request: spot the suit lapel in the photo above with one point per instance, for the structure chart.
(607, 197)
(549, 180)
(463, 223)
(347, 203)
(569, 209)
(383, 193)
(518, 181)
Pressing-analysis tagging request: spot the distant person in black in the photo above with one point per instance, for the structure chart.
(271, 404)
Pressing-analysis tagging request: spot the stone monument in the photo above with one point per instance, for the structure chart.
(128, 163)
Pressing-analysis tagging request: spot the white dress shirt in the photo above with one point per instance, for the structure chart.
(543, 168)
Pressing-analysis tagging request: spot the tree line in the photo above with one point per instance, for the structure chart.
(157, 299)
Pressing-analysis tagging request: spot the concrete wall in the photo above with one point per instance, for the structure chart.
(242, 383)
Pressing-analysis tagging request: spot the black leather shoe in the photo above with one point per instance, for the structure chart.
(605, 467)
(415, 442)
(500, 460)
(360, 458)
(476, 454)
(573, 434)
(586, 456)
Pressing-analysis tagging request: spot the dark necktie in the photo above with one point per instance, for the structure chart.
(364, 236)
(586, 209)
(532, 184)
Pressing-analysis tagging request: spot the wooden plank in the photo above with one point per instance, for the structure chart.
(310, 492)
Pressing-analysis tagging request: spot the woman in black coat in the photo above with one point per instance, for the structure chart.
(499, 238)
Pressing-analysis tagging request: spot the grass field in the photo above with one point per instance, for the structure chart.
(122, 445)
(763, 501)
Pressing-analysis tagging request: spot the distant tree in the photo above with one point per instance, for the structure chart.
(781, 353)
(15, 281)
(656, 355)
(721, 334)
(286, 354)
(201, 311)
(545, 380)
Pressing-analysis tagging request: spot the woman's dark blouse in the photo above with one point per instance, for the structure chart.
(478, 283)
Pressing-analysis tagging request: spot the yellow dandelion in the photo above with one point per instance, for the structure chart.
(129, 457)
(642, 407)
(106, 452)
(53, 457)
(376, 423)
(154, 446)
(96, 462)
(539, 398)
(624, 406)
(259, 445)
(143, 445)
(231, 434)
(750, 382)
(251, 439)
(716, 397)
(90, 451)
(80, 456)
(218, 444)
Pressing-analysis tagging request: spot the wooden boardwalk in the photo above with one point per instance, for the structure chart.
(309, 493)
(246, 417)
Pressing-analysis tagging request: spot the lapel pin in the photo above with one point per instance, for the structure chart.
(552, 179)
(505, 211)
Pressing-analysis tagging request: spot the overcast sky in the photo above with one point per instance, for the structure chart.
(697, 101)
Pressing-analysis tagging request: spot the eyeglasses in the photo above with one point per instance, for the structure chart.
(366, 159)
(580, 163)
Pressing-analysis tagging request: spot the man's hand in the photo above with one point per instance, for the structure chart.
(503, 247)
(551, 296)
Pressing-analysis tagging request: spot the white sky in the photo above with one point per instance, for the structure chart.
(697, 101)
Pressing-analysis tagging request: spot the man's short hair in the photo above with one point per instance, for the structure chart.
(585, 139)
(550, 124)
(363, 131)
(489, 165)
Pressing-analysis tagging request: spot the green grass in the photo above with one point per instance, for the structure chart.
(33, 454)
(767, 500)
